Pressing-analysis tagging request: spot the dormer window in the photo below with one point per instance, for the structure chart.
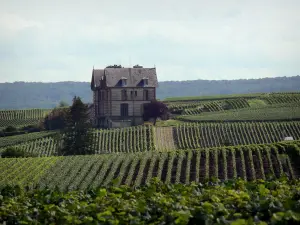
(124, 81)
(145, 81)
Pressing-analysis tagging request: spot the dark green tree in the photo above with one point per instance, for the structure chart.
(63, 104)
(77, 136)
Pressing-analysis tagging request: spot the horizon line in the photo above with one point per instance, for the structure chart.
(158, 81)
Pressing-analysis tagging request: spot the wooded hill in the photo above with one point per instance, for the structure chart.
(20, 95)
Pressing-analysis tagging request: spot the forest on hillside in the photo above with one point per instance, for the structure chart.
(20, 95)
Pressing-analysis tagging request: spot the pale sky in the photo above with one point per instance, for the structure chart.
(61, 40)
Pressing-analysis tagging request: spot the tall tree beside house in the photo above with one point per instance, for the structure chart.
(155, 109)
(77, 136)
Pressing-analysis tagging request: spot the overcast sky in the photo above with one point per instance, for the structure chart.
(62, 40)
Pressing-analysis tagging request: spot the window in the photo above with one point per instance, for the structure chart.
(133, 94)
(145, 81)
(124, 95)
(146, 95)
(124, 109)
(124, 81)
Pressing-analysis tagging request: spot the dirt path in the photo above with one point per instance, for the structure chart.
(164, 138)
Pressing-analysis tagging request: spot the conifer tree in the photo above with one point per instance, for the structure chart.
(77, 136)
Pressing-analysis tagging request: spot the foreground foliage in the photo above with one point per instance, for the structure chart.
(233, 202)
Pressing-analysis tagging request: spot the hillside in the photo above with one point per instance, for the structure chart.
(21, 95)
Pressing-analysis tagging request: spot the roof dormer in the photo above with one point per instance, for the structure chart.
(123, 81)
(145, 81)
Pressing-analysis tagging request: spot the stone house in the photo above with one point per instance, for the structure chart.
(119, 95)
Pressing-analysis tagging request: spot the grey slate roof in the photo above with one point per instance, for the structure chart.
(134, 76)
(96, 77)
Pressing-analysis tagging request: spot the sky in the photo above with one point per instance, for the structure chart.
(62, 40)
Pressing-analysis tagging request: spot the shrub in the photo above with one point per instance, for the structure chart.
(6, 134)
(10, 129)
(32, 128)
(13, 152)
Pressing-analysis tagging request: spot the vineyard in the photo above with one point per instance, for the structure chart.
(149, 138)
(19, 118)
(191, 108)
(248, 114)
(249, 162)
(253, 102)
(277, 98)
(202, 135)
(17, 139)
(215, 97)
(126, 140)
(208, 106)
(291, 95)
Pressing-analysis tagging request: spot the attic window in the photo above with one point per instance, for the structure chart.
(145, 80)
(124, 81)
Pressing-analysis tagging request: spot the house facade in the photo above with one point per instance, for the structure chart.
(119, 95)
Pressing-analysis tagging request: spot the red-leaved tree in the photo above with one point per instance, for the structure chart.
(155, 109)
(56, 119)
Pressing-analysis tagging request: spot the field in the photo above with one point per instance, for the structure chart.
(218, 160)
